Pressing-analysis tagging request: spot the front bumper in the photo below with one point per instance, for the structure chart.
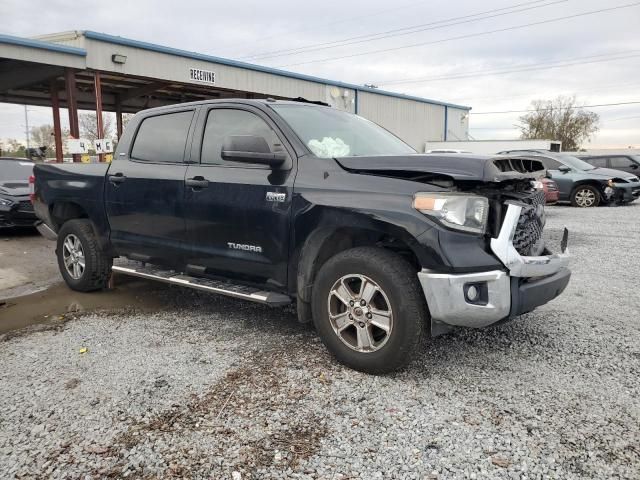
(19, 214)
(625, 192)
(526, 283)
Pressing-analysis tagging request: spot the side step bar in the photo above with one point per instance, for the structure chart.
(205, 284)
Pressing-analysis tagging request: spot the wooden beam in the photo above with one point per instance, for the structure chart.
(118, 118)
(72, 106)
(99, 124)
(142, 91)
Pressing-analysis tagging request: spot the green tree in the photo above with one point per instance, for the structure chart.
(12, 148)
(559, 119)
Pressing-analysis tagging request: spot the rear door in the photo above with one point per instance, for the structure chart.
(622, 163)
(144, 190)
(238, 214)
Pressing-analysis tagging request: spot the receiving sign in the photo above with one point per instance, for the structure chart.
(102, 145)
(203, 76)
(77, 146)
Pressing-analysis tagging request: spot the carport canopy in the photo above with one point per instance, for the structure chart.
(96, 71)
(47, 74)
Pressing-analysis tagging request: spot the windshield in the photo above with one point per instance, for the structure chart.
(15, 170)
(573, 162)
(331, 133)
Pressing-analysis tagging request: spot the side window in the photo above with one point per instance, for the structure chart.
(162, 138)
(551, 164)
(597, 162)
(620, 162)
(224, 122)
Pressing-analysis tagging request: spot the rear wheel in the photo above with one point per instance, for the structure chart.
(585, 196)
(369, 310)
(82, 263)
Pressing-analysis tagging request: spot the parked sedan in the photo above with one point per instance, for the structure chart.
(583, 184)
(550, 189)
(15, 207)
(625, 163)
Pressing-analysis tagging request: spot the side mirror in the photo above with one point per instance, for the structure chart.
(564, 168)
(634, 166)
(251, 149)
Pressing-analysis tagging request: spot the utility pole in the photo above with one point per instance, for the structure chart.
(26, 121)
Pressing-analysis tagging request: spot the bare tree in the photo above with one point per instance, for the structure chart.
(43, 136)
(559, 119)
(125, 119)
(89, 126)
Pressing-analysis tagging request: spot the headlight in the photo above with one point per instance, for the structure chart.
(455, 210)
(5, 202)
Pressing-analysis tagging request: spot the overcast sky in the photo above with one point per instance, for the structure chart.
(446, 47)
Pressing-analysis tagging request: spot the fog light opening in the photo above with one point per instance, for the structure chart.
(476, 293)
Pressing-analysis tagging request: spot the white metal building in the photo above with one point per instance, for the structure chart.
(113, 73)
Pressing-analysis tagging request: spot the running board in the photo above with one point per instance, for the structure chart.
(205, 284)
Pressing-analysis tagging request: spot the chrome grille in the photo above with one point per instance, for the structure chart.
(527, 239)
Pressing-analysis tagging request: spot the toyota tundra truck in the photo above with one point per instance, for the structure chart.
(283, 202)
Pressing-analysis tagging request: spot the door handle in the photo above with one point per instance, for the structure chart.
(117, 178)
(197, 182)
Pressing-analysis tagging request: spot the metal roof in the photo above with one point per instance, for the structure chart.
(258, 68)
(53, 47)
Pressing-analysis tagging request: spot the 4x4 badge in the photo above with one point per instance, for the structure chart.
(276, 197)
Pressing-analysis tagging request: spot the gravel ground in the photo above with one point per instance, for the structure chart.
(216, 388)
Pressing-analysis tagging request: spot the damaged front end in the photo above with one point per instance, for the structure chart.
(512, 227)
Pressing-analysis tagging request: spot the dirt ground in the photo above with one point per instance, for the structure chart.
(27, 262)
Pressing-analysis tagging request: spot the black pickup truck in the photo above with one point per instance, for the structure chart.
(282, 201)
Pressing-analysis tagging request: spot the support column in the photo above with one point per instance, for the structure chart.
(57, 131)
(446, 123)
(118, 117)
(72, 106)
(99, 124)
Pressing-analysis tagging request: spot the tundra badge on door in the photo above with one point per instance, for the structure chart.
(276, 197)
(246, 248)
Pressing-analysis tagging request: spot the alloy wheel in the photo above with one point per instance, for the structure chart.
(585, 198)
(73, 256)
(360, 313)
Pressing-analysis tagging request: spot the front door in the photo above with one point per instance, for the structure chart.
(238, 214)
(563, 179)
(144, 190)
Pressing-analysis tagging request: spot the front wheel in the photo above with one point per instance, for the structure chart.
(585, 196)
(82, 263)
(369, 310)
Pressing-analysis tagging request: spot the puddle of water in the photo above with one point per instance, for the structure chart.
(58, 300)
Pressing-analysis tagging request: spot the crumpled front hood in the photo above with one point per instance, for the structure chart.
(16, 188)
(460, 167)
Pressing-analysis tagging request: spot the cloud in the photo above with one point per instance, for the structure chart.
(239, 28)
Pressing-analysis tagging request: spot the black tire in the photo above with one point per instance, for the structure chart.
(590, 190)
(97, 265)
(399, 283)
